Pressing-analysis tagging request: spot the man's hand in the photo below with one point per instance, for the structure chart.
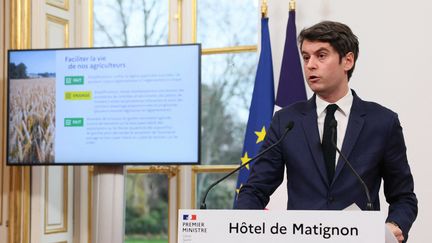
(397, 232)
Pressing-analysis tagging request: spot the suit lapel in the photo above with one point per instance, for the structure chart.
(355, 125)
(310, 129)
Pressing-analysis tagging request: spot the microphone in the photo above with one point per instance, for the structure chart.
(369, 206)
(288, 128)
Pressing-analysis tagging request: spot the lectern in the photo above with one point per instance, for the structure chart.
(250, 226)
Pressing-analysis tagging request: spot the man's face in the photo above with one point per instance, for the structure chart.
(326, 74)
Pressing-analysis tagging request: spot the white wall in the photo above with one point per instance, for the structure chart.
(394, 69)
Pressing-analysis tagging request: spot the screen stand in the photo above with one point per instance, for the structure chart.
(108, 204)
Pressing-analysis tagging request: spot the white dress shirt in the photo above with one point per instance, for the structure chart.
(341, 116)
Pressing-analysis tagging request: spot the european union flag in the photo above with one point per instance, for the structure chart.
(261, 108)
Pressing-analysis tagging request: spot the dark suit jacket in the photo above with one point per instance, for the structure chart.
(374, 145)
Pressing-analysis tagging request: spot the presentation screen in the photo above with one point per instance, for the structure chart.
(123, 105)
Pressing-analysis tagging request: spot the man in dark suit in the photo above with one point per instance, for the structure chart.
(369, 134)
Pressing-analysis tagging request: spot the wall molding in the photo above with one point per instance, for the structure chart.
(62, 23)
(62, 4)
(20, 24)
(1, 191)
(56, 227)
(19, 176)
(3, 107)
(19, 205)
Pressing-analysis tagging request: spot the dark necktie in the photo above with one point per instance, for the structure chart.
(329, 151)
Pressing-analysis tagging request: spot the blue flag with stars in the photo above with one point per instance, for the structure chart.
(261, 108)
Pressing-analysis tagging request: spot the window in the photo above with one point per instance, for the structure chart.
(129, 23)
(146, 217)
(228, 32)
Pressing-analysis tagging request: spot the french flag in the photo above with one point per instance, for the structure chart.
(189, 216)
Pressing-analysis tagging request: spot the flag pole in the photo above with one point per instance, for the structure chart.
(292, 5)
(264, 9)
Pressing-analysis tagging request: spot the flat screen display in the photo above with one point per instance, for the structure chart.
(122, 105)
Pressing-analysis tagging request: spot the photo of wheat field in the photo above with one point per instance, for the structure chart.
(31, 106)
(31, 120)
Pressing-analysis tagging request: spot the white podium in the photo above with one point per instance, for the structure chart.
(250, 226)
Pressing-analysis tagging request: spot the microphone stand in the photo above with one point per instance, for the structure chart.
(369, 205)
(288, 128)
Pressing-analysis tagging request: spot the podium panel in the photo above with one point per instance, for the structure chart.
(249, 226)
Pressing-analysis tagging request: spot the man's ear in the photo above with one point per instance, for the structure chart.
(348, 61)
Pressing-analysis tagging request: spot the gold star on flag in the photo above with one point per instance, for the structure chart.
(245, 159)
(261, 135)
(238, 190)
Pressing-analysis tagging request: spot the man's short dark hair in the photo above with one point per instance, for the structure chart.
(338, 35)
